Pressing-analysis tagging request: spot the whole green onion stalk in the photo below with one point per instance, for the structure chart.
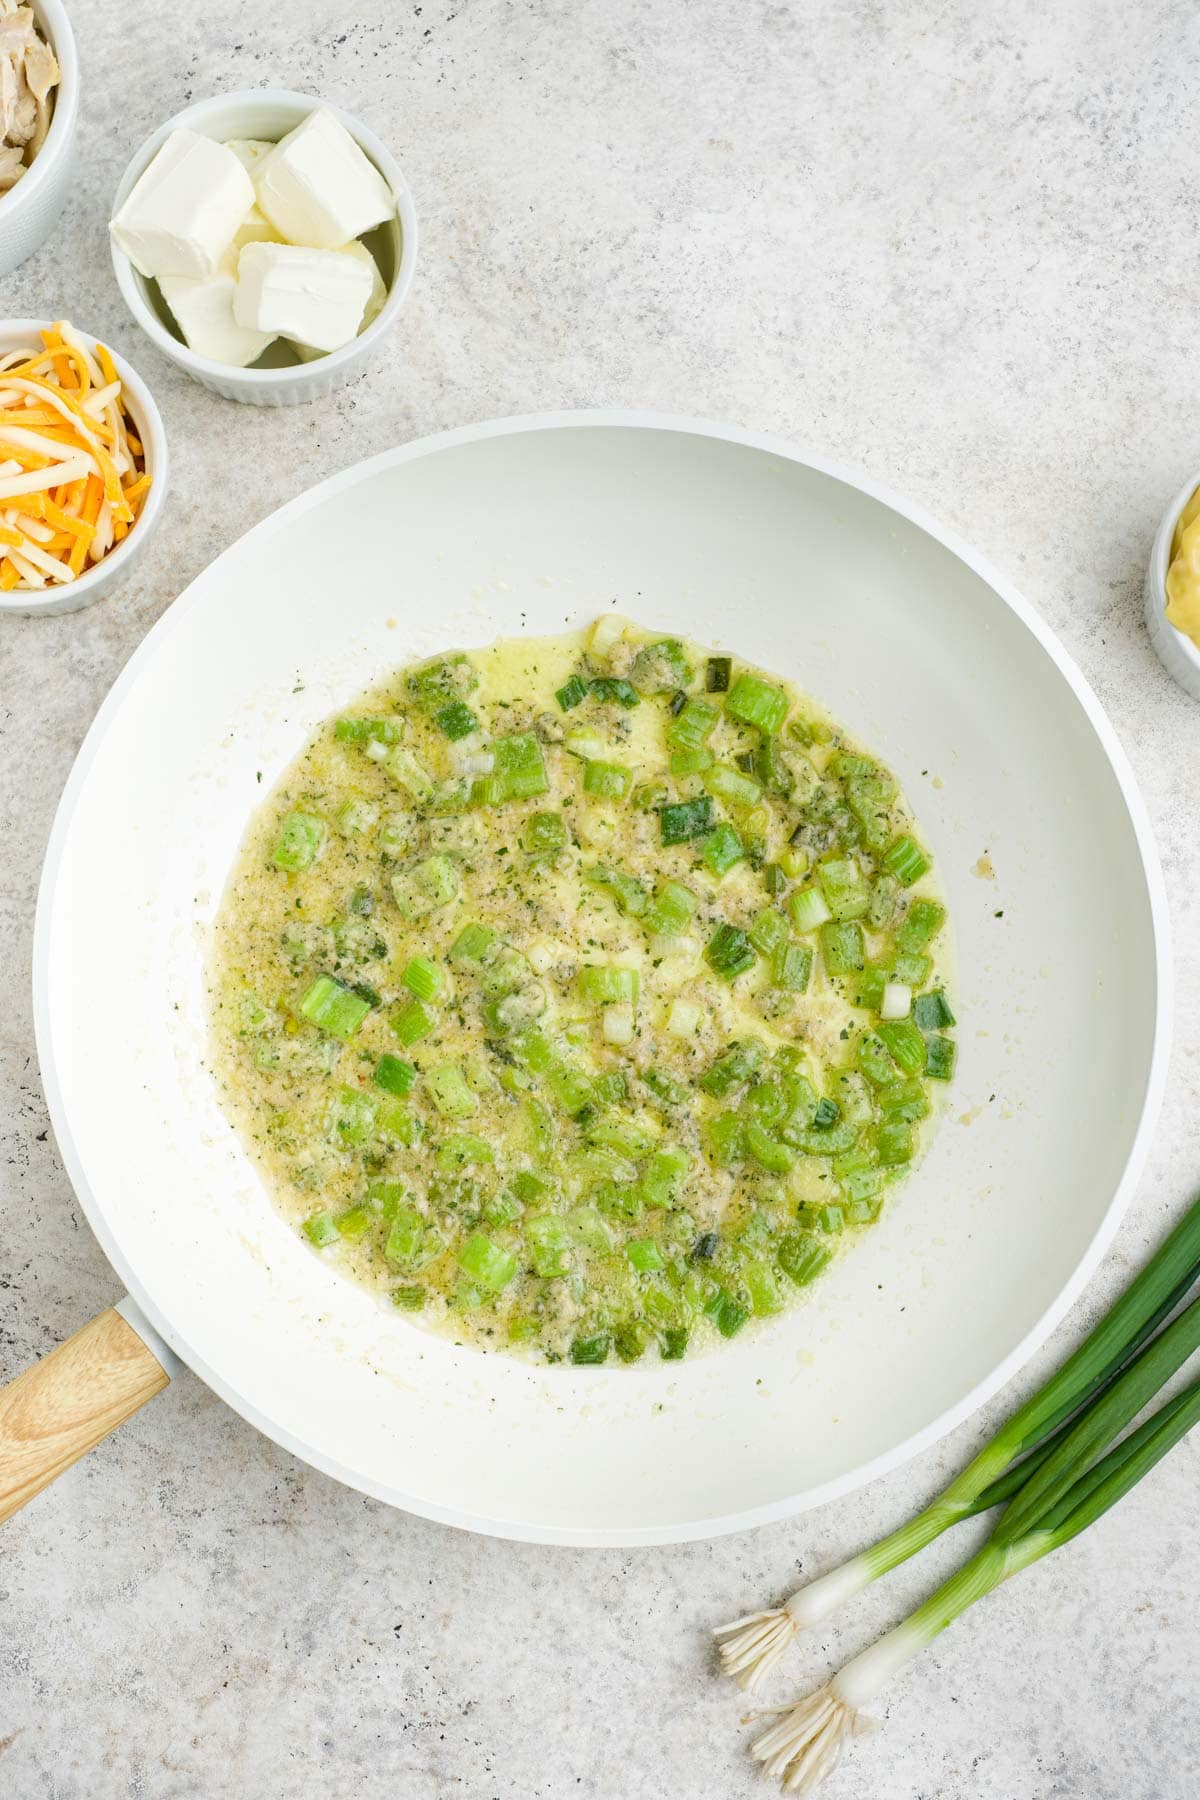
(1034, 1440)
(806, 1743)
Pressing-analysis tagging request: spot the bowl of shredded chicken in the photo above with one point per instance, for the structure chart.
(29, 79)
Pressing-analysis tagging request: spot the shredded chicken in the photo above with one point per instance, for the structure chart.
(29, 74)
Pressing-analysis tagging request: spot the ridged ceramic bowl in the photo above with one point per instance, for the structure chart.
(1178, 655)
(30, 211)
(280, 378)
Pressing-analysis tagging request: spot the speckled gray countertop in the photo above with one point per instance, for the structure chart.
(950, 244)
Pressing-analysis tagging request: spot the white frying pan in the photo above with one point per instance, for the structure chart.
(530, 525)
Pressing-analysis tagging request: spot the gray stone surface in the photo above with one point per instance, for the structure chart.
(951, 244)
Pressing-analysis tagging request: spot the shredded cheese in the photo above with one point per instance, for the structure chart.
(73, 478)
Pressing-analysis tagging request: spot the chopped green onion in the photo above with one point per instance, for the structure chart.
(592, 1349)
(629, 894)
(473, 943)
(663, 1176)
(412, 1022)
(423, 978)
(648, 796)
(456, 720)
(544, 834)
(791, 967)
(613, 691)
(846, 892)
(808, 908)
(894, 1142)
(444, 678)
(727, 1313)
(716, 675)
(905, 860)
(450, 1092)
(410, 773)
(665, 1088)
(685, 819)
(365, 731)
(321, 1230)
(732, 1068)
(842, 947)
(731, 786)
(298, 842)
(487, 1263)
(690, 762)
(757, 703)
(932, 1011)
(905, 1043)
(910, 967)
(721, 849)
(906, 1100)
(406, 1237)
(872, 986)
(573, 691)
(802, 1257)
(394, 1075)
(609, 780)
(333, 1007)
(425, 887)
(768, 931)
(769, 1152)
(920, 925)
(884, 892)
(875, 1061)
(940, 1053)
(692, 724)
(730, 952)
(660, 668)
(645, 1255)
(725, 1138)
(463, 1147)
(671, 910)
(606, 985)
(520, 772)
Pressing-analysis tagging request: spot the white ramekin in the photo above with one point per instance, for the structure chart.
(30, 211)
(270, 113)
(1177, 653)
(105, 575)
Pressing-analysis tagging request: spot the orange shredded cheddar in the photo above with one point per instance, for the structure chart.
(55, 529)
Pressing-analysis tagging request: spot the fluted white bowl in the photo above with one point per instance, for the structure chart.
(280, 379)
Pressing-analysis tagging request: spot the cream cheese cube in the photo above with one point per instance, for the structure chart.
(315, 296)
(203, 310)
(374, 306)
(255, 228)
(249, 151)
(318, 188)
(183, 211)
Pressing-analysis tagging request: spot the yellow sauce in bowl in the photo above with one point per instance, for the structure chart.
(1183, 575)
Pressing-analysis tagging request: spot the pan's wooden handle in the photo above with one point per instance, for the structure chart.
(53, 1414)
